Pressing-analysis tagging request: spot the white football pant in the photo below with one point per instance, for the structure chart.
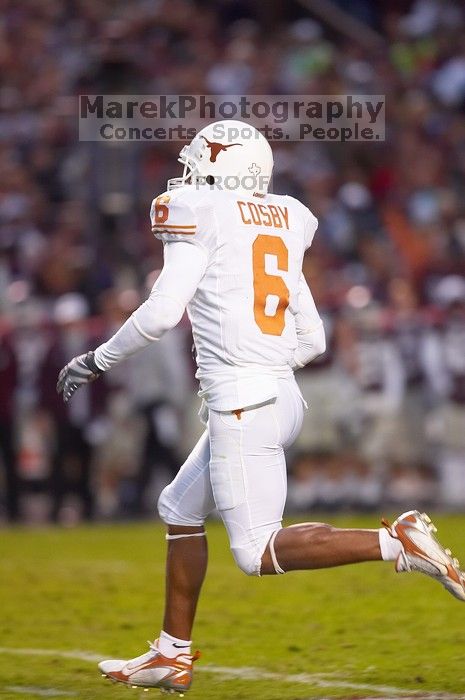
(239, 467)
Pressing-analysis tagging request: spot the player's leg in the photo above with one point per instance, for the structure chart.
(409, 542)
(184, 506)
(186, 566)
(249, 481)
(250, 488)
(248, 472)
(319, 545)
(314, 545)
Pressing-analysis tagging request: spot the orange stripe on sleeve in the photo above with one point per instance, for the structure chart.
(173, 226)
(173, 232)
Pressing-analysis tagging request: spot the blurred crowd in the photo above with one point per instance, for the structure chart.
(386, 423)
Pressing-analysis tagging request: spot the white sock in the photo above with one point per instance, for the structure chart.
(390, 547)
(172, 646)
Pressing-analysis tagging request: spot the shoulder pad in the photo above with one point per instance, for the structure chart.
(172, 218)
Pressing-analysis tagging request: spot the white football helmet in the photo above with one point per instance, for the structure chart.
(228, 154)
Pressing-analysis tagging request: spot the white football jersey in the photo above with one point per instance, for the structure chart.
(243, 312)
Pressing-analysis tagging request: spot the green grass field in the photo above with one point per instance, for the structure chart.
(355, 632)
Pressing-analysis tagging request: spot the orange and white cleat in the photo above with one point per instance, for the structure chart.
(422, 552)
(152, 670)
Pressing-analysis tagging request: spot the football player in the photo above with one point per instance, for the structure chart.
(233, 257)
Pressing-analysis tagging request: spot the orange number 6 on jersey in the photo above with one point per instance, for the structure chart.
(265, 284)
(161, 210)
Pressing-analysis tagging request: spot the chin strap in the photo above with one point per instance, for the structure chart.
(191, 534)
(277, 568)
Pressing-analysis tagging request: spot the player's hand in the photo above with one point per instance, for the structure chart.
(81, 370)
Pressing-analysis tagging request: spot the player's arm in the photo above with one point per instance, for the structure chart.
(184, 267)
(311, 340)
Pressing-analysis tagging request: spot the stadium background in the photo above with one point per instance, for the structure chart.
(387, 401)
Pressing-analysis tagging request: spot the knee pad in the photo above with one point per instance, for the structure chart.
(163, 505)
(170, 515)
(248, 560)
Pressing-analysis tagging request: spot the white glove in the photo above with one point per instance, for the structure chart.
(81, 370)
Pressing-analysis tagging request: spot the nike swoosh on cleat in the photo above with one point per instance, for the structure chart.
(181, 646)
